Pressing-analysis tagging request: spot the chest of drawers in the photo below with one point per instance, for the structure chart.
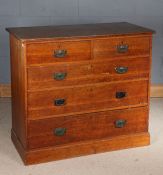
(79, 90)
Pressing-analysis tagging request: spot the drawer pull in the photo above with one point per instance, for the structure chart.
(122, 48)
(121, 70)
(59, 102)
(120, 95)
(60, 131)
(60, 53)
(120, 123)
(60, 75)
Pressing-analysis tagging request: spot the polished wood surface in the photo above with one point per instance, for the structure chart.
(84, 30)
(107, 48)
(35, 156)
(72, 84)
(86, 98)
(18, 86)
(156, 91)
(42, 53)
(86, 127)
(42, 77)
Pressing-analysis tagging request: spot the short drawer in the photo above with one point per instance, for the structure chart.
(71, 74)
(63, 101)
(51, 52)
(121, 46)
(71, 129)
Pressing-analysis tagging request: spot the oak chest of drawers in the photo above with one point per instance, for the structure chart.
(79, 90)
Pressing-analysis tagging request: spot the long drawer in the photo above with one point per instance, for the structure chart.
(121, 46)
(64, 130)
(68, 74)
(52, 52)
(63, 101)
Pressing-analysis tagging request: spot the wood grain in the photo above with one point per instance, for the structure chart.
(108, 48)
(85, 98)
(18, 86)
(89, 91)
(86, 127)
(41, 53)
(80, 149)
(42, 77)
(31, 34)
(156, 90)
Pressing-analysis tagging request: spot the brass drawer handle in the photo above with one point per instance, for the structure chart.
(60, 53)
(120, 123)
(122, 48)
(59, 102)
(120, 95)
(60, 75)
(121, 70)
(60, 131)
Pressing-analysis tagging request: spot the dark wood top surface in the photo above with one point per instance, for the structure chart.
(82, 30)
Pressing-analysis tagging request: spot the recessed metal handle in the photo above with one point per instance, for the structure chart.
(120, 123)
(122, 48)
(59, 102)
(121, 70)
(120, 95)
(60, 131)
(60, 75)
(60, 53)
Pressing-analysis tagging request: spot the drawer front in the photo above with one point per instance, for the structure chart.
(51, 52)
(64, 130)
(65, 101)
(66, 74)
(121, 46)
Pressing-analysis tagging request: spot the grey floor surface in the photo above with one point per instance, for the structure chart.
(137, 161)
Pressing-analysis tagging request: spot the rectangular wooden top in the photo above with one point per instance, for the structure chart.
(82, 30)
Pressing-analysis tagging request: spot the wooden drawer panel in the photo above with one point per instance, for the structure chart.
(41, 53)
(128, 46)
(42, 77)
(63, 130)
(86, 98)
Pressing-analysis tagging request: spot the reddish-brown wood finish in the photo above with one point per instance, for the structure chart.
(18, 86)
(85, 98)
(42, 77)
(89, 89)
(77, 31)
(41, 53)
(107, 48)
(81, 148)
(86, 127)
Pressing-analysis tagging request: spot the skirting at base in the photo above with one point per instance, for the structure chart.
(80, 149)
